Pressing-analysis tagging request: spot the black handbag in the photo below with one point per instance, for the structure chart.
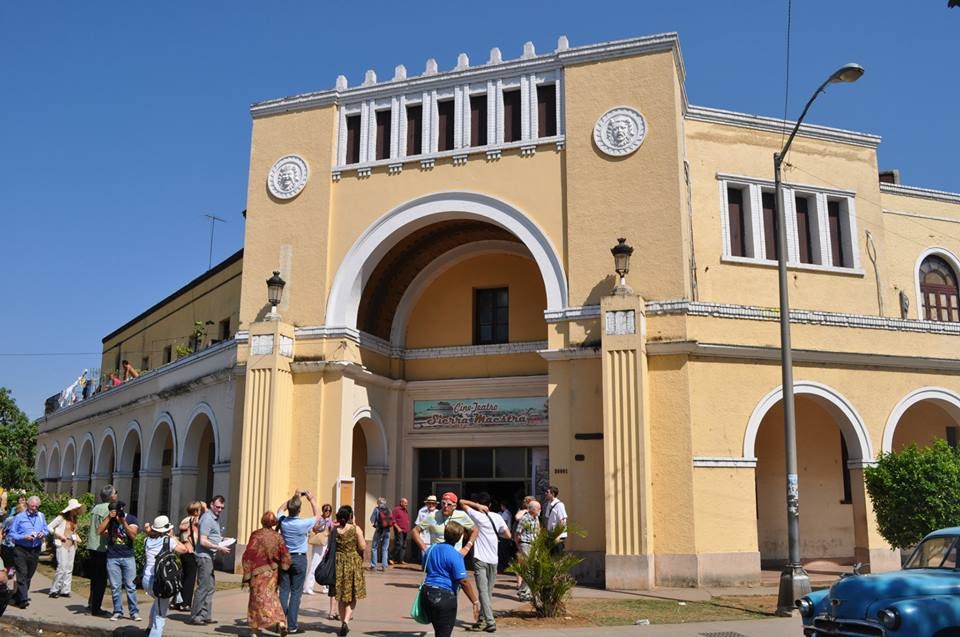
(326, 573)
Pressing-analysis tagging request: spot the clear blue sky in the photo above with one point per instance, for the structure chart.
(123, 123)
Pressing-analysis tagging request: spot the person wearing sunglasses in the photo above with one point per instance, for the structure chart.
(434, 524)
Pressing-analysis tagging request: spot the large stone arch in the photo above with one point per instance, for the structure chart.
(106, 462)
(375, 433)
(40, 465)
(854, 430)
(347, 289)
(68, 468)
(132, 441)
(200, 454)
(944, 254)
(437, 267)
(194, 431)
(52, 474)
(944, 398)
(85, 463)
(154, 451)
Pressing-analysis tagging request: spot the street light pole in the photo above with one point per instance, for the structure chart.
(794, 582)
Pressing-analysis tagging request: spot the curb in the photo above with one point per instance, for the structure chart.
(29, 624)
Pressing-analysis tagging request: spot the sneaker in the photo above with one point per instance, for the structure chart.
(480, 626)
(136, 617)
(491, 628)
(115, 617)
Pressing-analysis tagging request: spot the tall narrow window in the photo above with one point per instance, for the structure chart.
(938, 290)
(491, 316)
(167, 354)
(445, 125)
(353, 139)
(383, 135)
(547, 110)
(225, 329)
(834, 226)
(511, 116)
(803, 229)
(478, 120)
(414, 129)
(737, 222)
(144, 363)
(770, 226)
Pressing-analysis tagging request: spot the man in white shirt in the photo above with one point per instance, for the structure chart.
(485, 556)
(556, 514)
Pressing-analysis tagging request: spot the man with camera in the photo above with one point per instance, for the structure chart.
(97, 552)
(120, 528)
(294, 530)
(211, 537)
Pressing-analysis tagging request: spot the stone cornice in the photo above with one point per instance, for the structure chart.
(570, 353)
(821, 357)
(556, 59)
(923, 193)
(731, 462)
(774, 125)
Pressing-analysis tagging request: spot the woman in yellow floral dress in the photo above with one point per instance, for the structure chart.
(266, 553)
(350, 585)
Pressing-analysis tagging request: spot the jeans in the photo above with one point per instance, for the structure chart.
(291, 588)
(381, 547)
(188, 564)
(158, 613)
(524, 590)
(399, 547)
(97, 570)
(202, 607)
(25, 563)
(64, 577)
(486, 576)
(121, 571)
(441, 607)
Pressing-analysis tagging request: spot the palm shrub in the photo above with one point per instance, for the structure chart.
(546, 573)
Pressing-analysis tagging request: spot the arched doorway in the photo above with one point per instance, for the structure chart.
(922, 416)
(831, 439)
(85, 465)
(52, 477)
(40, 468)
(158, 470)
(127, 478)
(359, 472)
(199, 455)
(106, 464)
(69, 469)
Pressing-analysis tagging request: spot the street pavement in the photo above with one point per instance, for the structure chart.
(384, 613)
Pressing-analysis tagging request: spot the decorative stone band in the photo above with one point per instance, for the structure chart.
(925, 193)
(756, 313)
(377, 470)
(724, 462)
(222, 467)
(185, 471)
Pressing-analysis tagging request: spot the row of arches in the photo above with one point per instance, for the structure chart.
(140, 458)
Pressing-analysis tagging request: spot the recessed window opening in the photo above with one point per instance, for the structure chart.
(938, 290)
(806, 228)
(547, 110)
(478, 120)
(738, 221)
(770, 226)
(512, 130)
(491, 316)
(445, 115)
(353, 139)
(383, 134)
(414, 129)
(836, 224)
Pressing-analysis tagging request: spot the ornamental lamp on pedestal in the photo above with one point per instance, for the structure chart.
(621, 261)
(274, 294)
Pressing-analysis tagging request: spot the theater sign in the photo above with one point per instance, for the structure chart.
(476, 413)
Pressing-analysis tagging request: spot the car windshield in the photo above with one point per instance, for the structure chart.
(935, 552)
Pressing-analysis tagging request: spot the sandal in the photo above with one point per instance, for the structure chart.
(334, 616)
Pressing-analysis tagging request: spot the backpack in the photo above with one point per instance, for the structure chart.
(381, 519)
(167, 581)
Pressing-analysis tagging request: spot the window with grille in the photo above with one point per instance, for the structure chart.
(491, 316)
(938, 290)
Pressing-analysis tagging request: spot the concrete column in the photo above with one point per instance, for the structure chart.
(100, 480)
(626, 443)
(183, 488)
(149, 505)
(80, 484)
(266, 438)
(122, 482)
(221, 479)
(869, 547)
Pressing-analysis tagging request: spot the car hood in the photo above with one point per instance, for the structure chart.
(852, 597)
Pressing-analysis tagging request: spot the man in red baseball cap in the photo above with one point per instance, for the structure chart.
(435, 522)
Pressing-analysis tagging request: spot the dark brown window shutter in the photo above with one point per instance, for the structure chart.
(414, 129)
(512, 130)
(353, 139)
(803, 230)
(836, 236)
(445, 112)
(770, 225)
(383, 134)
(547, 110)
(738, 238)
(478, 120)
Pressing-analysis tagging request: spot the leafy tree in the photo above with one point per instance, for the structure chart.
(914, 492)
(18, 442)
(547, 573)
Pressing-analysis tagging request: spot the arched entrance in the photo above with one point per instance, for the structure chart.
(922, 416)
(158, 470)
(84, 476)
(106, 464)
(127, 477)
(198, 456)
(368, 464)
(69, 469)
(832, 444)
(40, 468)
(52, 478)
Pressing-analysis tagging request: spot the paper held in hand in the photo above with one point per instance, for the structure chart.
(227, 542)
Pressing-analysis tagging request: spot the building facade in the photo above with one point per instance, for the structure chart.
(451, 318)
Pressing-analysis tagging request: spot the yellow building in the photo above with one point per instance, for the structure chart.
(450, 321)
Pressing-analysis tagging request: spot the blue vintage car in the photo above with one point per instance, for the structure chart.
(922, 600)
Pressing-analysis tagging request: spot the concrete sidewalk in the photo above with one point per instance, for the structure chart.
(384, 613)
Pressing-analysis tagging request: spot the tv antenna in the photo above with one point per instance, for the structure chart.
(213, 223)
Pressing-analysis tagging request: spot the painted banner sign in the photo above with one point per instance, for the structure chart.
(470, 413)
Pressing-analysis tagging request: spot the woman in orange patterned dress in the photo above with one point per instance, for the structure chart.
(266, 553)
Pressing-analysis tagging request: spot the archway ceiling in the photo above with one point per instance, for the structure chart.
(397, 269)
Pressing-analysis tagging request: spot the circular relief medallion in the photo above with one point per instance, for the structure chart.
(620, 131)
(287, 177)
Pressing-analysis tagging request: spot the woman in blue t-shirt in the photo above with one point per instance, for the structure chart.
(445, 572)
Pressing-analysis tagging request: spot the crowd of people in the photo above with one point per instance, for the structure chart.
(454, 535)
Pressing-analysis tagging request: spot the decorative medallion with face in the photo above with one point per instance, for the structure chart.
(287, 177)
(619, 131)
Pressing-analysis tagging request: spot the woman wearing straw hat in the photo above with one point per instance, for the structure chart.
(64, 530)
(160, 532)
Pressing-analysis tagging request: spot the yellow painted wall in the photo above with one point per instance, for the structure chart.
(922, 423)
(213, 299)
